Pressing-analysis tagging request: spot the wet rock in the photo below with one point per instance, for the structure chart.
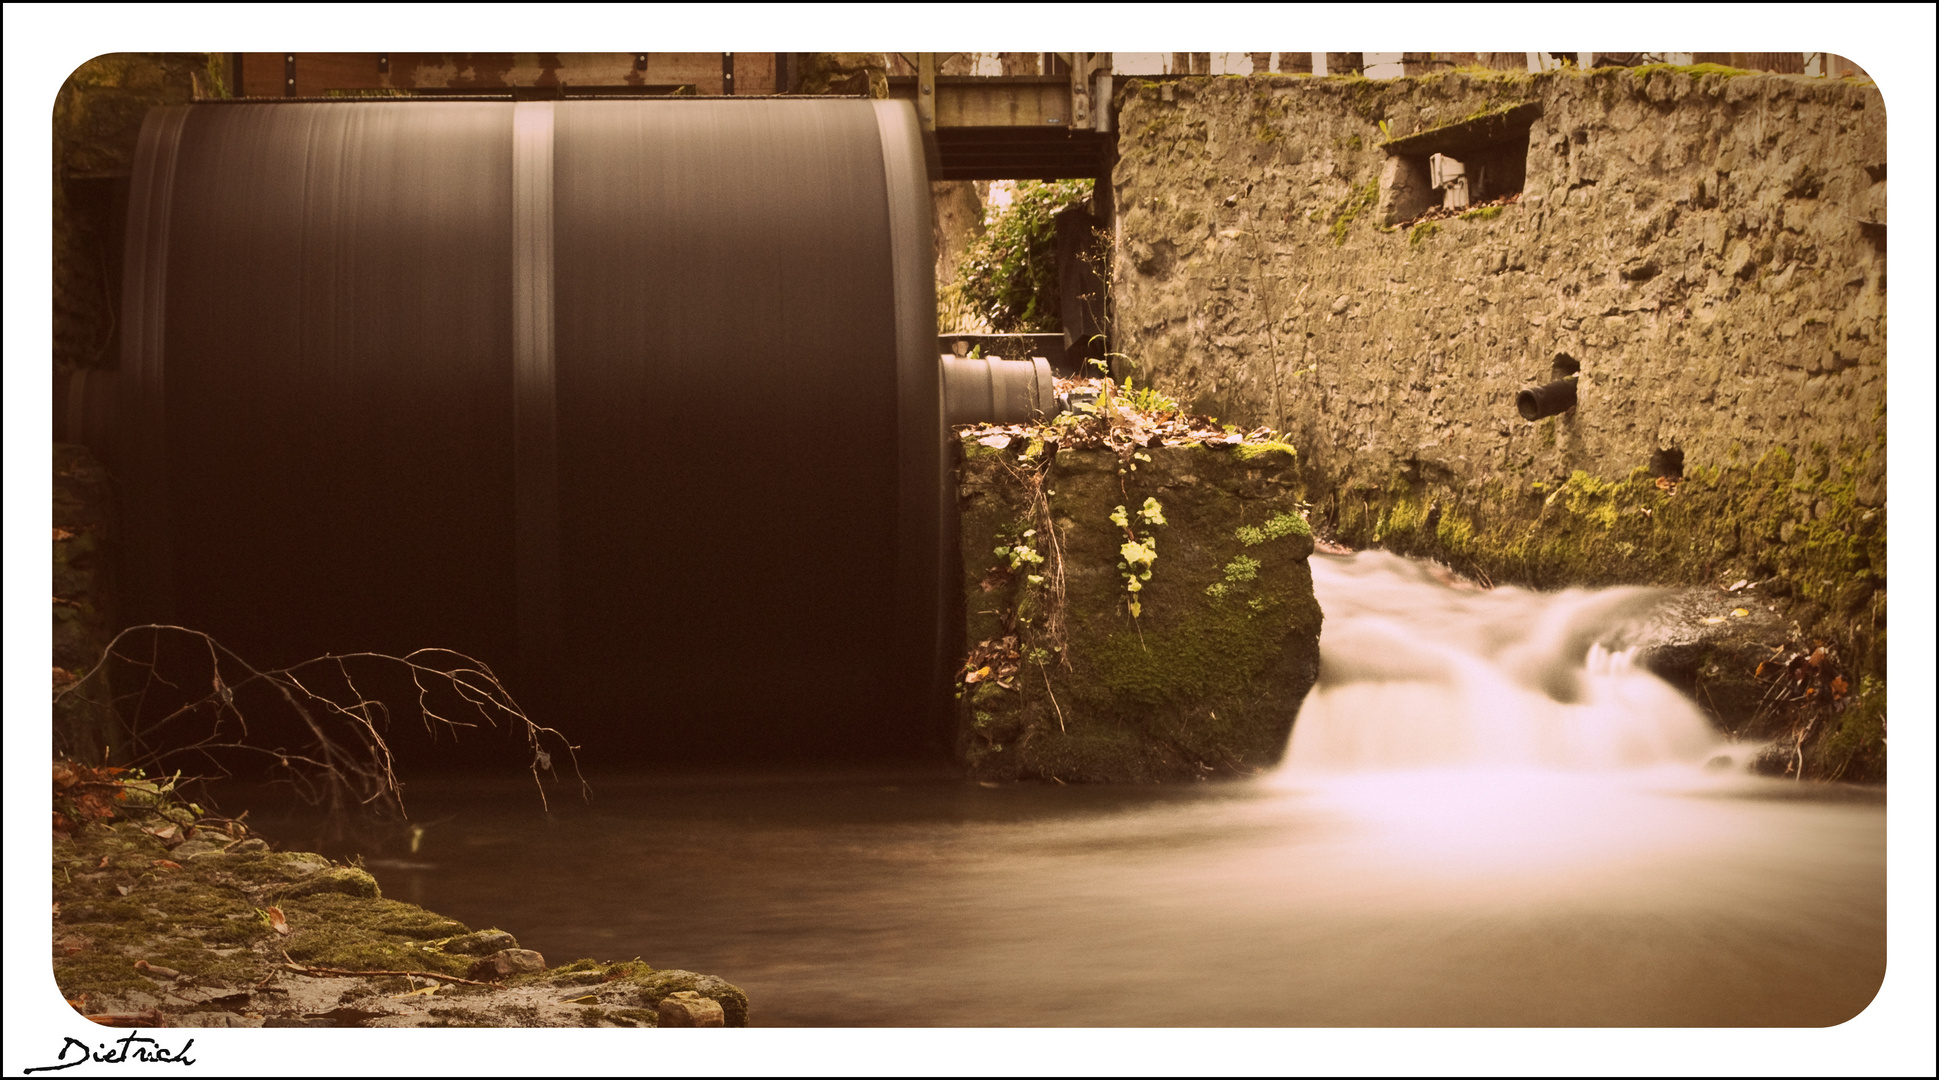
(1700, 643)
(506, 963)
(685, 1008)
(481, 943)
(189, 849)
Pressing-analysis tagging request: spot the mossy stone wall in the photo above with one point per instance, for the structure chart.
(97, 118)
(1708, 244)
(1205, 680)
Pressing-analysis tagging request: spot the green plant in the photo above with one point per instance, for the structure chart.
(1009, 274)
(1137, 556)
(1148, 400)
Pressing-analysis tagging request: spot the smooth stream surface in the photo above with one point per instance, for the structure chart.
(1488, 816)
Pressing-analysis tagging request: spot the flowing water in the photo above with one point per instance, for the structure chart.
(1488, 816)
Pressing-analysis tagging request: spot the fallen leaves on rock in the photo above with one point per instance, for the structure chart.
(995, 658)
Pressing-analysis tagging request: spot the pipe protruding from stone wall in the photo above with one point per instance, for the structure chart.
(991, 390)
(1558, 396)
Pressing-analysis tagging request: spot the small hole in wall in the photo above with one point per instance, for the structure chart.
(1667, 464)
(1457, 165)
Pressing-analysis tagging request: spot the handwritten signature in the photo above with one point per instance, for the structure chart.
(133, 1047)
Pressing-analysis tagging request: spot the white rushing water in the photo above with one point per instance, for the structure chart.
(1489, 816)
(1415, 673)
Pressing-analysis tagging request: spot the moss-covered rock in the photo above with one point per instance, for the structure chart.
(1197, 671)
(250, 937)
(1808, 533)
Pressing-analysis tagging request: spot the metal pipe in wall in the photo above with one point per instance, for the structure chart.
(1547, 400)
(991, 390)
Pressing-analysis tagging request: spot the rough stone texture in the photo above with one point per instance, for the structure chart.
(506, 963)
(85, 618)
(684, 1008)
(1709, 245)
(147, 935)
(1205, 681)
(479, 943)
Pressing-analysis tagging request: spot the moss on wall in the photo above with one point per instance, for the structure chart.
(1692, 236)
(1204, 680)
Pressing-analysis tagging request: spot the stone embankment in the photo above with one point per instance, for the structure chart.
(1707, 245)
(165, 918)
(1139, 604)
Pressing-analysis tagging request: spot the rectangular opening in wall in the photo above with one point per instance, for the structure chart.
(1478, 160)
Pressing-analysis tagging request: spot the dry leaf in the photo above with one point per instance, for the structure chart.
(167, 864)
(103, 864)
(1839, 687)
(995, 442)
(422, 991)
(978, 675)
(1740, 612)
(588, 999)
(276, 920)
(124, 889)
(63, 534)
(1741, 582)
(156, 970)
(1713, 620)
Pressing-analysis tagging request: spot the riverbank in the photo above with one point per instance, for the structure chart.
(166, 917)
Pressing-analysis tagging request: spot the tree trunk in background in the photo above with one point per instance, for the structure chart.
(1296, 63)
(1345, 63)
(1503, 61)
(957, 206)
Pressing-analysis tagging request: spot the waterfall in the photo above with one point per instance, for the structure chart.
(1418, 673)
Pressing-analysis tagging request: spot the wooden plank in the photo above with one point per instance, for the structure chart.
(319, 74)
(1014, 102)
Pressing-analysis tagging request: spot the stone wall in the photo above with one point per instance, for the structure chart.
(1084, 667)
(1708, 244)
(96, 123)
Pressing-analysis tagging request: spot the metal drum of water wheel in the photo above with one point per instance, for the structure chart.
(635, 400)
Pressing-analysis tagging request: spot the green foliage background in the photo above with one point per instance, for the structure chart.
(1009, 275)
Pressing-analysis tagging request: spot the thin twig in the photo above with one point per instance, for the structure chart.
(1053, 699)
(340, 773)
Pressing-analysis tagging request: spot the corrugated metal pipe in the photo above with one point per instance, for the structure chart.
(985, 389)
